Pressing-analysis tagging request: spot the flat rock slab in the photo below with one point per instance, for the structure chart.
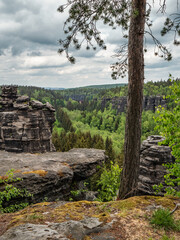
(51, 174)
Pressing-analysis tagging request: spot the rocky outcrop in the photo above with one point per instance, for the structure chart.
(118, 220)
(77, 229)
(151, 102)
(25, 125)
(120, 103)
(50, 175)
(152, 158)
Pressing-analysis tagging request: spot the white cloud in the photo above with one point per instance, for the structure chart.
(43, 61)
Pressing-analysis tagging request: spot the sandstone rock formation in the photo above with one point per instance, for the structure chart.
(25, 125)
(152, 158)
(120, 103)
(152, 102)
(50, 175)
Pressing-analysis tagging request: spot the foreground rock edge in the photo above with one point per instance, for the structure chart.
(60, 220)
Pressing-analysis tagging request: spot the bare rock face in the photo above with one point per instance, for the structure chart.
(25, 126)
(152, 158)
(149, 103)
(51, 174)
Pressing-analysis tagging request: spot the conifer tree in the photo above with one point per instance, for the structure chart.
(131, 16)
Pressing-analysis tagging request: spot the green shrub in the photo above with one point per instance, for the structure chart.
(165, 237)
(109, 183)
(10, 195)
(163, 219)
(169, 127)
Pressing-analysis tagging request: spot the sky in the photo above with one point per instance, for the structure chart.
(29, 34)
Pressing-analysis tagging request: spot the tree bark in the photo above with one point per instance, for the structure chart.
(129, 177)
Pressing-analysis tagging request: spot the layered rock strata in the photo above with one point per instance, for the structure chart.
(25, 125)
(50, 175)
(152, 159)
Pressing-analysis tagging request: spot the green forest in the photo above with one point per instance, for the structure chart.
(92, 117)
(87, 117)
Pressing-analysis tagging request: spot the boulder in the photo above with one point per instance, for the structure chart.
(152, 159)
(50, 175)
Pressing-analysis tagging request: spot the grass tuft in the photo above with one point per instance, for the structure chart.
(163, 219)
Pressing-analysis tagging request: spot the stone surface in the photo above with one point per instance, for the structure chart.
(31, 232)
(25, 126)
(65, 230)
(115, 220)
(76, 229)
(50, 175)
(152, 158)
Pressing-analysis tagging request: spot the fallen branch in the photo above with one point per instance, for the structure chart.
(176, 207)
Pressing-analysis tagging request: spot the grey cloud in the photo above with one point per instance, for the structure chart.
(16, 50)
(42, 73)
(50, 66)
(1, 52)
(5, 42)
(158, 65)
(13, 7)
(34, 22)
(34, 53)
(84, 53)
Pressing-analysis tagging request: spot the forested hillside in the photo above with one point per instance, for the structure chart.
(89, 95)
(95, 117)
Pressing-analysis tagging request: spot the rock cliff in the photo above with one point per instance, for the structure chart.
(25, 125)
(51, 175)
(152, 158)
(120, 103)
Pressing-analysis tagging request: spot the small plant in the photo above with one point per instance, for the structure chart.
(45, 199)
(109, 183)
(165, 237)
(11, 193)
(158, 188)
(75, 194)
(163, 218)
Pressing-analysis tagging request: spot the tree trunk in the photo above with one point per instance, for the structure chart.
(130, 171)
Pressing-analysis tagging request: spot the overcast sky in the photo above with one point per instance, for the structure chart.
(29, 33)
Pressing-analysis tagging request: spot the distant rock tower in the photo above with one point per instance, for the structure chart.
(25, 126)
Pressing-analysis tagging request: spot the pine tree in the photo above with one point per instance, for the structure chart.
(131, 16)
